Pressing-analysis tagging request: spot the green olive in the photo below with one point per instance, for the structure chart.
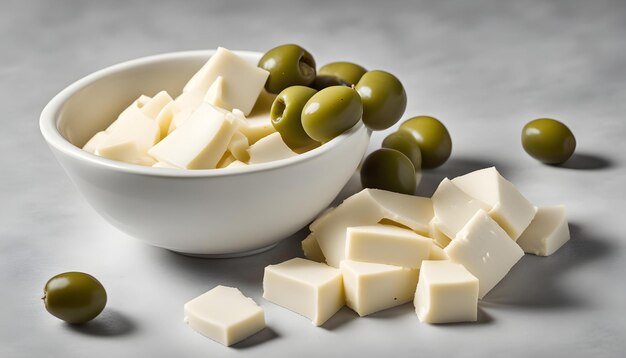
(384, 99)
(388, 169)
(348, 72)
(286, 116)
(548, 141)
(331, 112)
(74, 297)
(323, 81)
(432, 137)
(288, 65)
(406, 144)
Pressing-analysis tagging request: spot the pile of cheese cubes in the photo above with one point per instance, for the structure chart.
(380, 249)
(221, 119)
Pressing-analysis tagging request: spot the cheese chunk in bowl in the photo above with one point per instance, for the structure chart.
(233, 211)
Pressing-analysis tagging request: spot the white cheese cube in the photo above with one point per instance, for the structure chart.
(437, 253)
(258, 123)
(507, 206)
(243, 81)
(439, 237)
(453, 208)
(236, 164)
(372, 287)
(269, 149)
(200, 142)
(368, 207)
(485, 249)
(238, 147)
(130, 138)
(446, 292)
(154, 105)
(388, 245)
(215, 94)
(93, 143)
(164, 165)
(225, 315)
(546, 233)
(165, 117)
(311, 249)
(309, 288)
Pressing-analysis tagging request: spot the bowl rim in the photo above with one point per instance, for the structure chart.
(49, 118)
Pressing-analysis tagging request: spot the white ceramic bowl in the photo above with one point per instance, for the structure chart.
(227, 212)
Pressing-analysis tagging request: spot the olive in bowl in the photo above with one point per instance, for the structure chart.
(346, 72)
(286, 116)
(331, 112)
(384, 99)
(432, 137)
(288, 65)
(548, 140)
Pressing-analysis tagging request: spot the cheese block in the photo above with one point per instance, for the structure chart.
(226, 160)
(546, 233)
(507, 206)
(258, 123)
(309, 288)
(385, 244)
(236, 164)
(200, 142)
(154, 105)
(130, 138)
(485, 249)
(371, 287)
(437, 253)
(165, 117)
(225, 315)
(311, 249)
(238, 147)
(243, 81)
(439, 237)
(215, 94)
(368, 207)
(269, 149)
(453, 208)
(136, 105)
(446, 293)
(164, 165)
(93, 143)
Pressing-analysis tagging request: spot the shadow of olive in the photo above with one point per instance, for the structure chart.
(586, 161)
(110, 323)
(264, 335)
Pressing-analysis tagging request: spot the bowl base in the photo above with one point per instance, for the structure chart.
(230, 255)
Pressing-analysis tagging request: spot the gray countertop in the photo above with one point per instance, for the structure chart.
(483, 67)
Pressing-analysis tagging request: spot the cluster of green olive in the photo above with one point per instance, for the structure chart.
(74, 297)
(421, 142)
(313, 107)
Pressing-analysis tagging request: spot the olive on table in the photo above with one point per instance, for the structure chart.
(286, 115)
(74, 297)
(406, 144)
(548, 140)
(348, 72)
(384, 99)
(388, 169)
(288, 65)
(432, 137)
(331, 112)
(323, 81)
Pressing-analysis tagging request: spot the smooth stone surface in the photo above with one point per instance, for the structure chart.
(485, 68)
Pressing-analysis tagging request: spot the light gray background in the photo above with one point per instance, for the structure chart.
(483, 67)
